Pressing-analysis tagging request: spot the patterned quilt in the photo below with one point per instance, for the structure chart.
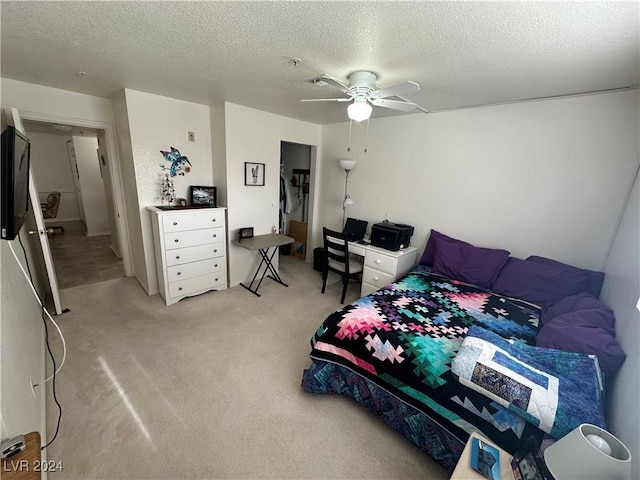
(404, 337)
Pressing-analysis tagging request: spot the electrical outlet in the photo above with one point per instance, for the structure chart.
(191, 136)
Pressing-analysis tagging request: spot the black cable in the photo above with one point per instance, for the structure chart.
(46, 336)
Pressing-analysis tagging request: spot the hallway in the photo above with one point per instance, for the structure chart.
(81, 260)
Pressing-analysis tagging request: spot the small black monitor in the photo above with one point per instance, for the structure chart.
(14, 182)
(355, 229)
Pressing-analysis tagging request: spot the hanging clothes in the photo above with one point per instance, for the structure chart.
(285, 204)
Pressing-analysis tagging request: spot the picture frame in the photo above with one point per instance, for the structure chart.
(527, 463)
(254, 174)
(205, 196)
(246, 232)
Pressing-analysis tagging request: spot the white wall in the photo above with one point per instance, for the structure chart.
(21, 348)
(91, 184)
(621, 291)
(534, 177)
(255, 136)
(52, 171)
(157, 123)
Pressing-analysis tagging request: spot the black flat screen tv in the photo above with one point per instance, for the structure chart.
(14, 182)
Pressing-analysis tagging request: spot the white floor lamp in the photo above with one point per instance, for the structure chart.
(347, 166)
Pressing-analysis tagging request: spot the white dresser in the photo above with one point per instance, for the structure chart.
(381, 267)
(190, 248)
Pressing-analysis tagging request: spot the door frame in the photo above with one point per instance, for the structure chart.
(116, 179)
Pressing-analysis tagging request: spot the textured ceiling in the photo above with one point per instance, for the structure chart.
(461, 53)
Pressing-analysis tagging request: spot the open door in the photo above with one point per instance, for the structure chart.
(42, 229)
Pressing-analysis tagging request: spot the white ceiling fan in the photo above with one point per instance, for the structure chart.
(362, 90)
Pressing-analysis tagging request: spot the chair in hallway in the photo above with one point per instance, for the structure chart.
(50, 209)
(337, 260)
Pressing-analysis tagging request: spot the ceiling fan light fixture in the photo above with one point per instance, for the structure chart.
(359, 110)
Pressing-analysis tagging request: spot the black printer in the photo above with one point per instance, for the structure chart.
(391, 236)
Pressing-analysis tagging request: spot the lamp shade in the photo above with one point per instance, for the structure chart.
(359, 110)
(348, 164)
(576, 456)
(347, 201)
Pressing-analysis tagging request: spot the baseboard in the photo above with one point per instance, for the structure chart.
(98, 234)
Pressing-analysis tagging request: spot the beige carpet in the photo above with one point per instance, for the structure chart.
(210, 388)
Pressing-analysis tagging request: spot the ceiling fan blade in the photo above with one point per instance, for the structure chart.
(394, 104)
(333, 81)
(325, 100)
(397, 89)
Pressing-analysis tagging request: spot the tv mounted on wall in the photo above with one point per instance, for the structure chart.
(14, 182)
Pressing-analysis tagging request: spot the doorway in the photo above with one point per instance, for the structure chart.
(66, 163)
(295, 182)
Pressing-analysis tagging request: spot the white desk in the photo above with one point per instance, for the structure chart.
(381, 267)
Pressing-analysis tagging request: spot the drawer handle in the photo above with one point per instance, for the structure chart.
(177, 257)
(216, 279)
(215, 250)
(176, 240)
(175, 223)
(213, 220)
(375, 279)
(216, 265)
(180, 289)
(179, 273)
(378, 262)
(215, 235)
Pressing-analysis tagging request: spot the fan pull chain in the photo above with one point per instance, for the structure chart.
(349, 144)
(366, 140)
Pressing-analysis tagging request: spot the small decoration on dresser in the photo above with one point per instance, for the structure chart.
(182, 202)
(203, 196)
(167, 191)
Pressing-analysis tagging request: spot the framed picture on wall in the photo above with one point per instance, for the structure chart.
(203, 196)
(254, 174)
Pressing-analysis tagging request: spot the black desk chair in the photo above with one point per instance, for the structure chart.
(337, 259)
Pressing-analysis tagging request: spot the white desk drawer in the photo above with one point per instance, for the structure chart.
(376, 277)
(193, 269)
(193, 237)
(196, 285)
(194, 221)
(379, 261)
(179, 256)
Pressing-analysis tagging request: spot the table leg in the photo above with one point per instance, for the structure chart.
(266, 260)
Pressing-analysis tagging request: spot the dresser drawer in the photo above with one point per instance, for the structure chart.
(178, 256)
(196, 285)
(193, 269)
(193, 221)
(193, 237)
(376, 277)
(381, 262)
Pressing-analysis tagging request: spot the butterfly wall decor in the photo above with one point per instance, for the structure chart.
(179, 163)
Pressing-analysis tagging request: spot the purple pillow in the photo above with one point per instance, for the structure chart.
(579, 302)
(429, 254)
(594, 279)
(470, 264)
(537, 283)
(579, 332)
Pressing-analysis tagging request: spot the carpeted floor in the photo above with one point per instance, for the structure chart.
(210, 388)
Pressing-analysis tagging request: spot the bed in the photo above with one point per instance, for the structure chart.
(409, 351)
